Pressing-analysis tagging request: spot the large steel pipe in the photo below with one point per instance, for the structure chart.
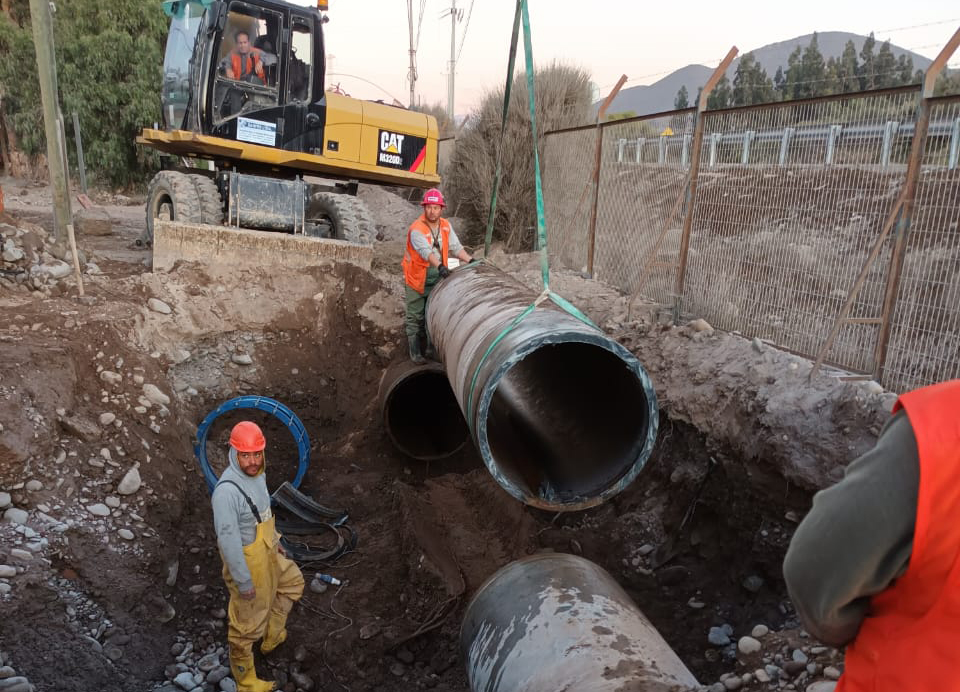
(553, 622)
(563, 416)
(420, 412)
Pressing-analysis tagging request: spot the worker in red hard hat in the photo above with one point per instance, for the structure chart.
(875, 564)
(263, 584)
(430, 242)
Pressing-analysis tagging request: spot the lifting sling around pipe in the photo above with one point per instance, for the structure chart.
(563, 416)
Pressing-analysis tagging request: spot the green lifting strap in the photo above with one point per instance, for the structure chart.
(521, 16)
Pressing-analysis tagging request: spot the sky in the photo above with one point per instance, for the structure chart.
(368, 40)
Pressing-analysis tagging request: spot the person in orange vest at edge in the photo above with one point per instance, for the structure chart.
(430, 242)
(263, 584)
(875, 564)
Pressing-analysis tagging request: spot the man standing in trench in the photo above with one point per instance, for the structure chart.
(875, 564)
(430, 241)
(263, 584)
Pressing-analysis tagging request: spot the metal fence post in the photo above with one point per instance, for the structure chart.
(640, 142)
(954, 145)
(694, 172)
(747, 140)
(714, 143)
(662, 149)
(889, 130)
(909, 194)
(785, 145)
(832, 142)
(685, 152)
(621, 145)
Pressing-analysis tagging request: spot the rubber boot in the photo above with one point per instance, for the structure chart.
(276, 632)
(246, 676)
(429, 352)
(415, 355)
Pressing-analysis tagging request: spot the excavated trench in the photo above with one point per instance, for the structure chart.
(697, 539)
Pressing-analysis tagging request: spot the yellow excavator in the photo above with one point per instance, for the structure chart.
(259, 143)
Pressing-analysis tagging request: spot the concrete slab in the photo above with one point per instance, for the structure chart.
(231, 248)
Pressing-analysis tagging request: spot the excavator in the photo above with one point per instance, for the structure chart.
(257, 140)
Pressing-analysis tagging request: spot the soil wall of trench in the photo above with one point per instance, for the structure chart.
(111, 585)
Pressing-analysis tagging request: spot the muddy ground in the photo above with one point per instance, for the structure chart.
(113, 589)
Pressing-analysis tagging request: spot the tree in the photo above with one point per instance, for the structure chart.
(794, 74)
(886, 66)
(867, 67)
(751, 83)
(780, 83)
(721, 94)
(682, 100)
(904, 69)
(114, 98)
(832, 84)
(848, 70)
(813, 70)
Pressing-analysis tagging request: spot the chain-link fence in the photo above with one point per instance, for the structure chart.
(791, 223)
(925, 338)
(569, 156)
(640, 203)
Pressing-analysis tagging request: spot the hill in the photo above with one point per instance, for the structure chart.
(659, 96)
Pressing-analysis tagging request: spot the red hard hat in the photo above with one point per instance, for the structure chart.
(246, 436)
(433, 196)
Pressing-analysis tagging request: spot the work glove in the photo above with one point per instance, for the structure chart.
(443, 271)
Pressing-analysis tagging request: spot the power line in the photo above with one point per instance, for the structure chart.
(466, 26)
(362, 79)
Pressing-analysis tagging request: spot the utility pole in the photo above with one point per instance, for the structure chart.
(453, 59)
(412, 75)
(52, 122)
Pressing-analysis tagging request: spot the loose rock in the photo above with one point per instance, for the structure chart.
(158, 305)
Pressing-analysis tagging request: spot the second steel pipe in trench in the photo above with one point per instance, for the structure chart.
(553, 622)
(420, 412)
(563, 416)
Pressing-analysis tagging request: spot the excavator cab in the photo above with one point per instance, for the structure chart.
(247, 71)
(259, 143)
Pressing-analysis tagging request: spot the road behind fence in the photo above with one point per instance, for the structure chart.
(807, 223)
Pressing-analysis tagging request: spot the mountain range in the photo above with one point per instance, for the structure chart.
(660, 95)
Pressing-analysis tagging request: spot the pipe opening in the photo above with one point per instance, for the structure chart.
(567, 421)
(422, 416)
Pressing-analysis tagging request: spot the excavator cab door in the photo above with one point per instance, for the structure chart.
(304, 108)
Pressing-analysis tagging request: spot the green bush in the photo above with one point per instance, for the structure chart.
(109, 58)
(562, 100)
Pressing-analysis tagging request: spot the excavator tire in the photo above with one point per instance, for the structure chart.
(211, 204)
(348, 217)
(171, 196)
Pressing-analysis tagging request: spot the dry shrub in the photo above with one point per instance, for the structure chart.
(562, 100)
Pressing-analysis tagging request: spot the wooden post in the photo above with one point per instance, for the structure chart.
(598, 151)
(694, 172)
(80, 165)
(56, 157)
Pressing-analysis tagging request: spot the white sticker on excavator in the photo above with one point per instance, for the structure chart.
(256, 131)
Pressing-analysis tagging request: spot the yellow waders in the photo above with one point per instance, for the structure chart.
(279, 584)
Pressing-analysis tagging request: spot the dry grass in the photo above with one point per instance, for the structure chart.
(562, 100)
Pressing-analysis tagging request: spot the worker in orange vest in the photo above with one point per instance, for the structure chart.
(244, 62)
(875, 565)
(430, 242)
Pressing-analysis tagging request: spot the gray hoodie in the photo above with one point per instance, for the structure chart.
(235, 524)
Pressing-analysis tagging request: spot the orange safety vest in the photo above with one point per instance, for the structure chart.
(910, 639)
(414, 266)
(254, 62)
